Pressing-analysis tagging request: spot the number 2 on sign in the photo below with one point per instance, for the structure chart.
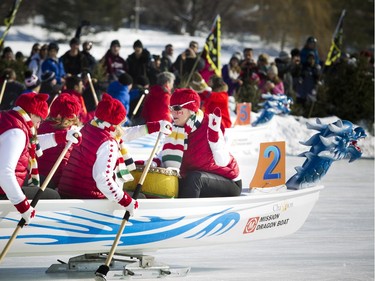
(270, 171)
(275, 152)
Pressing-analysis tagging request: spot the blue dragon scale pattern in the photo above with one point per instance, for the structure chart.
(272, 105)
(334, 141)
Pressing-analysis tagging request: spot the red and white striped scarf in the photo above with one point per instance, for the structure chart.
(124, 164)
(176, 143)
(33, 147)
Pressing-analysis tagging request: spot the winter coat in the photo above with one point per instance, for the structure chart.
(120, 92)
(12, 120)
(49, 157)
(73, 64)
(156, 104)
(55, 66)
(113, 63)
(138, 66)
(233, 85)
(199, 157)
(212, 100)
(77, 179)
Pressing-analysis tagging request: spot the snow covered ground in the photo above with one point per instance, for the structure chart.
(335, 243)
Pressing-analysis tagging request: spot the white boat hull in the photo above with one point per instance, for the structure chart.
(90, 226)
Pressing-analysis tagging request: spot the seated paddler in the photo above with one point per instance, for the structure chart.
(196, 147)
(99, 167)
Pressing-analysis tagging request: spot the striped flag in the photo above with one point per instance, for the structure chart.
(212, 46)
(335, 50)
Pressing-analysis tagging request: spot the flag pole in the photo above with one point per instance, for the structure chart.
(331, 57)
(215, 25)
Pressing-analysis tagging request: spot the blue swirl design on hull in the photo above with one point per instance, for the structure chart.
(138, 232)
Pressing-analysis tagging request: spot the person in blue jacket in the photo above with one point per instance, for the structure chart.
(54, 64)
(120, 89)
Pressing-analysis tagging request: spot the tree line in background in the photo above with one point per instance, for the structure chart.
(288, 21)
(347, 92)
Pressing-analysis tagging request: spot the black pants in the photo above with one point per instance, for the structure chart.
(30, 192)
(202, 184)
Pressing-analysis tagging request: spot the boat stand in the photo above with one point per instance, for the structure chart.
(122, 267)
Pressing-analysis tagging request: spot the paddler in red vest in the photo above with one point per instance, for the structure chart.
(100, 166)
(20, 146)
(64, 113)
(197, 148)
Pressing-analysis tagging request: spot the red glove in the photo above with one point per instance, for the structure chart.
(214, 123)
(73, 135)
(129, 203)
(27, 212)
(159, 126)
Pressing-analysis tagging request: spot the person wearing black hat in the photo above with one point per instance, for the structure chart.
(310, 46)
(139, 61)
(73, 60)
(113, 62)
(49, 85)
(120, 89)
(52, 63)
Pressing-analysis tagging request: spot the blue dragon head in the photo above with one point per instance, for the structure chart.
(334, 141)
(273, 104)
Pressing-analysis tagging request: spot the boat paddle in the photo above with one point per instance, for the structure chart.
(35, 200)
(145, 92)
(92, 89)
(101, 272)
(3, 88)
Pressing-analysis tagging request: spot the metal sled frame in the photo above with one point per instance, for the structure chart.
(122, 266)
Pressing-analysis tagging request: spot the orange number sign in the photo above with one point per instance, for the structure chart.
(270, 171)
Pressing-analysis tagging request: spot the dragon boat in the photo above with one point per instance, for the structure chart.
(273, 207)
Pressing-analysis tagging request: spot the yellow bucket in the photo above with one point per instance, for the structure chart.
(159, 182)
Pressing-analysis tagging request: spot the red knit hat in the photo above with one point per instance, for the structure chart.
(181, 96)
(65, 105)
(110, 110)
(34, 103)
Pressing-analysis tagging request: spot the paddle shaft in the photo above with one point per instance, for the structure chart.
(93, 89)
(35, 200)
(3, 89)
(138, 104)
(135, 196)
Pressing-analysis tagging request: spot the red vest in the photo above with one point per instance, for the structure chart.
(49, 157)
(11, 120)
(77, 180)
(198, 155)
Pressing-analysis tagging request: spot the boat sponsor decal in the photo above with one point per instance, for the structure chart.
(265, 222)
(92, 227)
(282, 207)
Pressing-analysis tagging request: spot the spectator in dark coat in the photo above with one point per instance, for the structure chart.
(167, 58)
(90, 61)
(113, 62)
(73, 60)
(139, 61)
(13, 89)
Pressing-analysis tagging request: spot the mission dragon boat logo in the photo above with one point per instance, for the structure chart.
(265, 222)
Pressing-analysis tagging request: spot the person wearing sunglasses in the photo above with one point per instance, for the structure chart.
(197, 149)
